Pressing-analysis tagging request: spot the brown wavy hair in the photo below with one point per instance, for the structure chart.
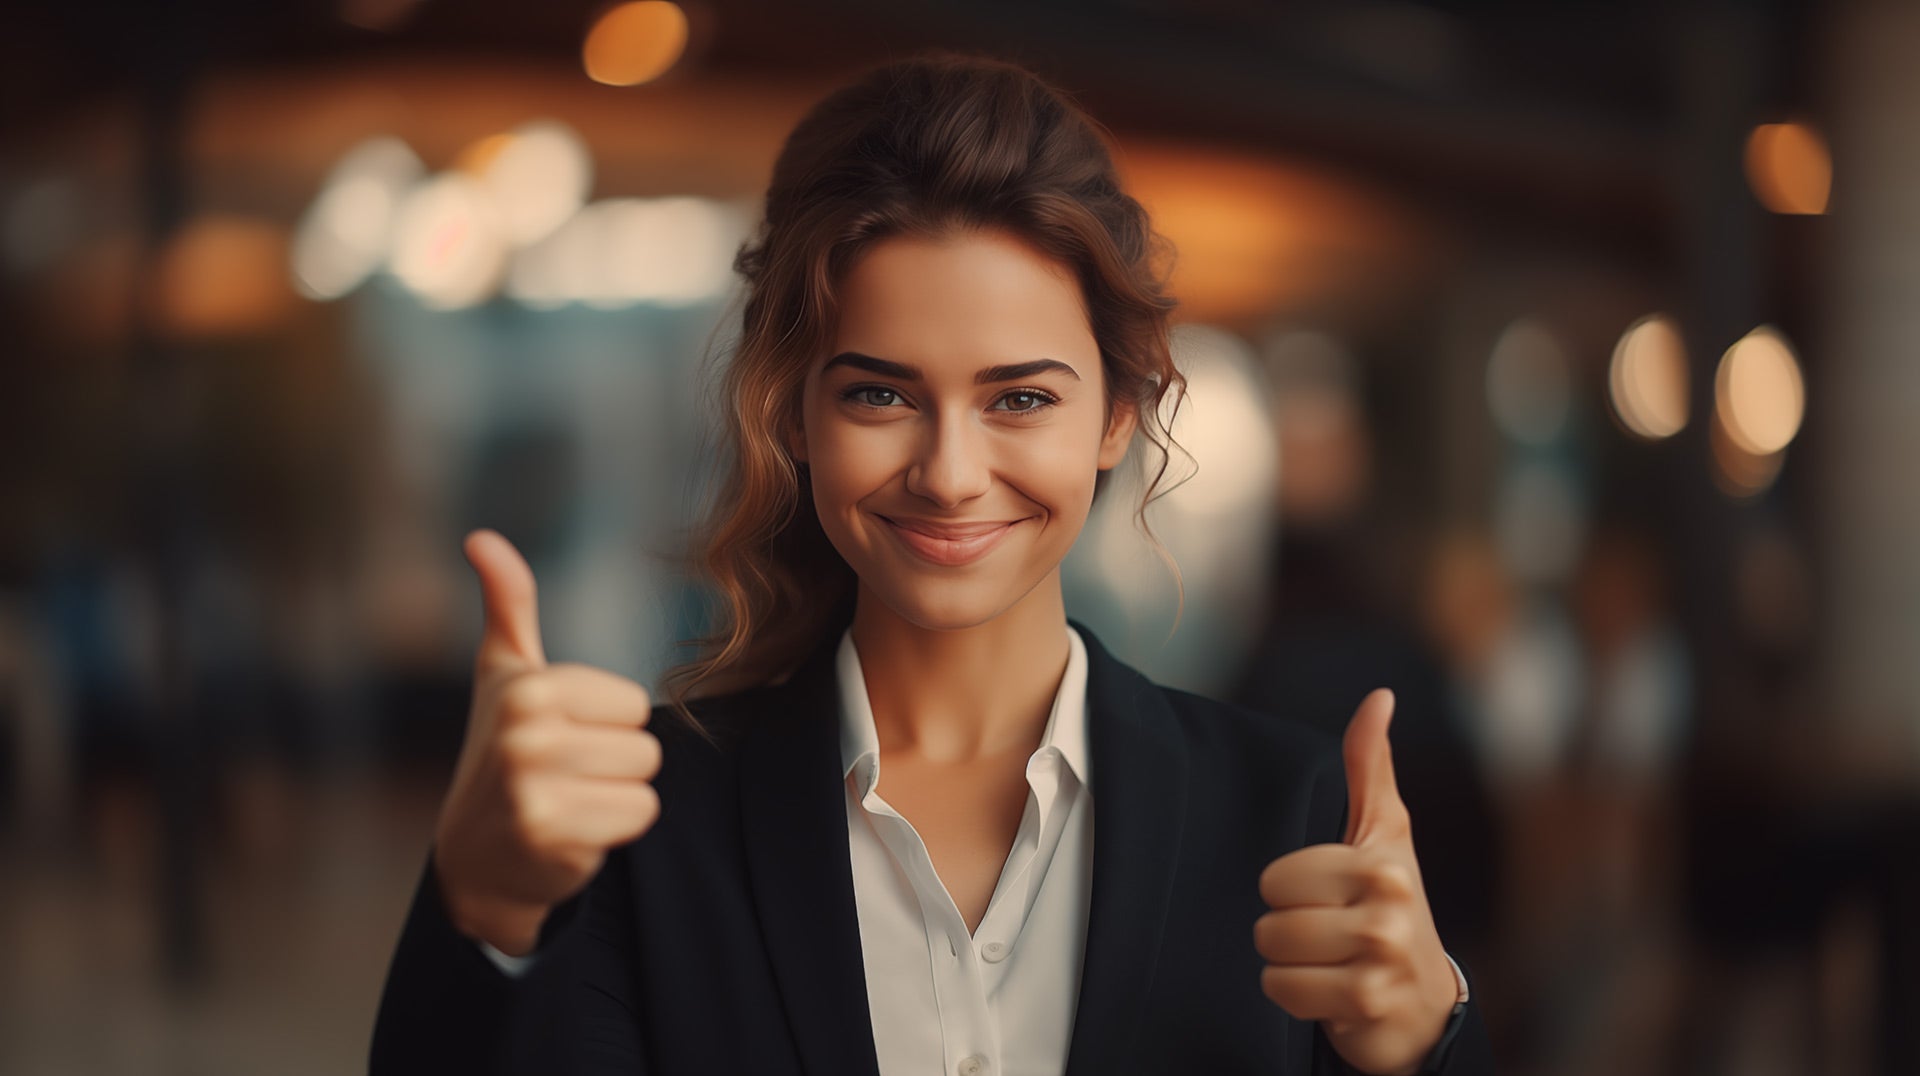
(922, 147)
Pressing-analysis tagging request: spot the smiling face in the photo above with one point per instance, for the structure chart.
(955, 427)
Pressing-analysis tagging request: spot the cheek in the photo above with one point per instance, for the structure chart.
(848, 461)
(1060, 468)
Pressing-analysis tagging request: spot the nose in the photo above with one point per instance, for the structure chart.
(951, 466)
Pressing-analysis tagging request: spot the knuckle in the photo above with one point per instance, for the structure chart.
(1273, 879)
(1266, 883)
(652, 756)
(1399, 815)
(1265, 939)
(533, 817)
(524, 744)
(1395, 823)
(1384, 932)
(1371, 996)
(649, 809)
(1367, 1004)
(575, 670)
(1273, 983)
(1390, 878)
(526, 695)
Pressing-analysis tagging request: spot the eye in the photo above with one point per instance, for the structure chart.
(871, 396)
(1021, 401)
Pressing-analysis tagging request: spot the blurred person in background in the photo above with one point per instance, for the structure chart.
(955, 326)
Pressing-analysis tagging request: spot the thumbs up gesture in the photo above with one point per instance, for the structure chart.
(554, 770)
(1350, 941)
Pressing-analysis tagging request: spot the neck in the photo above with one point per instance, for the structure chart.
(958, 695)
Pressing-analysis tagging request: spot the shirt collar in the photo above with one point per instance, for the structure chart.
(1066, 730)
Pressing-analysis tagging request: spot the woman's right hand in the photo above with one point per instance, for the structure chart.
(555, 769)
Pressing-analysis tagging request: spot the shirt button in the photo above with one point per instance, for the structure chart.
(995, 952)
(972, 1066)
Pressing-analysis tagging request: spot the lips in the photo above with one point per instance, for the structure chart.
(949, 544)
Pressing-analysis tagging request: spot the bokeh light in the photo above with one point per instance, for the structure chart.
(537, 176)
(1222, 424)
(1647, 379)
(477, 156)
(1789, 168)
(1536, 679)
(1759, 397)
(219, 276)
(1255, 234)
(621, 251)
(1529, 382)
(447, 243)
(635, 43)
(346, 233)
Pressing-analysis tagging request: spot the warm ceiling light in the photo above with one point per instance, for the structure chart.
(479, 156)
(1647, 380)
(1789, 168)
(635, 43)
(1758, 393)
(220, 276)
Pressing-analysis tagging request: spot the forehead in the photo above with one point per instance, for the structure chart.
(963, 301)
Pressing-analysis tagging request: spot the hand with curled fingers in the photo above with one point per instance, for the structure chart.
(554, 771)
(1350, 941)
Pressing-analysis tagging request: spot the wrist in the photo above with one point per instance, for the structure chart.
(1436, 1056)
(1432, 1025)
(512, 927)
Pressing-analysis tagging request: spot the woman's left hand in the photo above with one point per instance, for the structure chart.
(1350, 941)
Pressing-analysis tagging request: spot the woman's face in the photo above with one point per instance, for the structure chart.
(955, 427)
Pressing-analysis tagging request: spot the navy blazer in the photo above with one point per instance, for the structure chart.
(726, 939)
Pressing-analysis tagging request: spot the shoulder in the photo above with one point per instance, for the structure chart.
(1208, 727)
(711, 725)
(1213, 728)
(1246, 764)
(713, 732)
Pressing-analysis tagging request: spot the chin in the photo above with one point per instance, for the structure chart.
(947, 605)
(940, 612)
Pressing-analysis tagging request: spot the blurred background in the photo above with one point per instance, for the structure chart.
(1552, 364)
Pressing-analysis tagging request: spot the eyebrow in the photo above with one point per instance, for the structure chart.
(1015, 371)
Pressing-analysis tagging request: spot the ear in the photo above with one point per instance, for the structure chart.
(797, 442)
(1120, 426)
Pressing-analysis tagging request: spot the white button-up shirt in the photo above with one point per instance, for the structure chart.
(999, 1002)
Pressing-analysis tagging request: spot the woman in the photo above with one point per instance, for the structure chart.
(915, 822)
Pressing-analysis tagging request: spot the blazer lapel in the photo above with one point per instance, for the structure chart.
(793, 813)
(1139, 802)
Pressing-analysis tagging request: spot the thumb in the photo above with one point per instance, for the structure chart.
(1374, 807)
(511, 638)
